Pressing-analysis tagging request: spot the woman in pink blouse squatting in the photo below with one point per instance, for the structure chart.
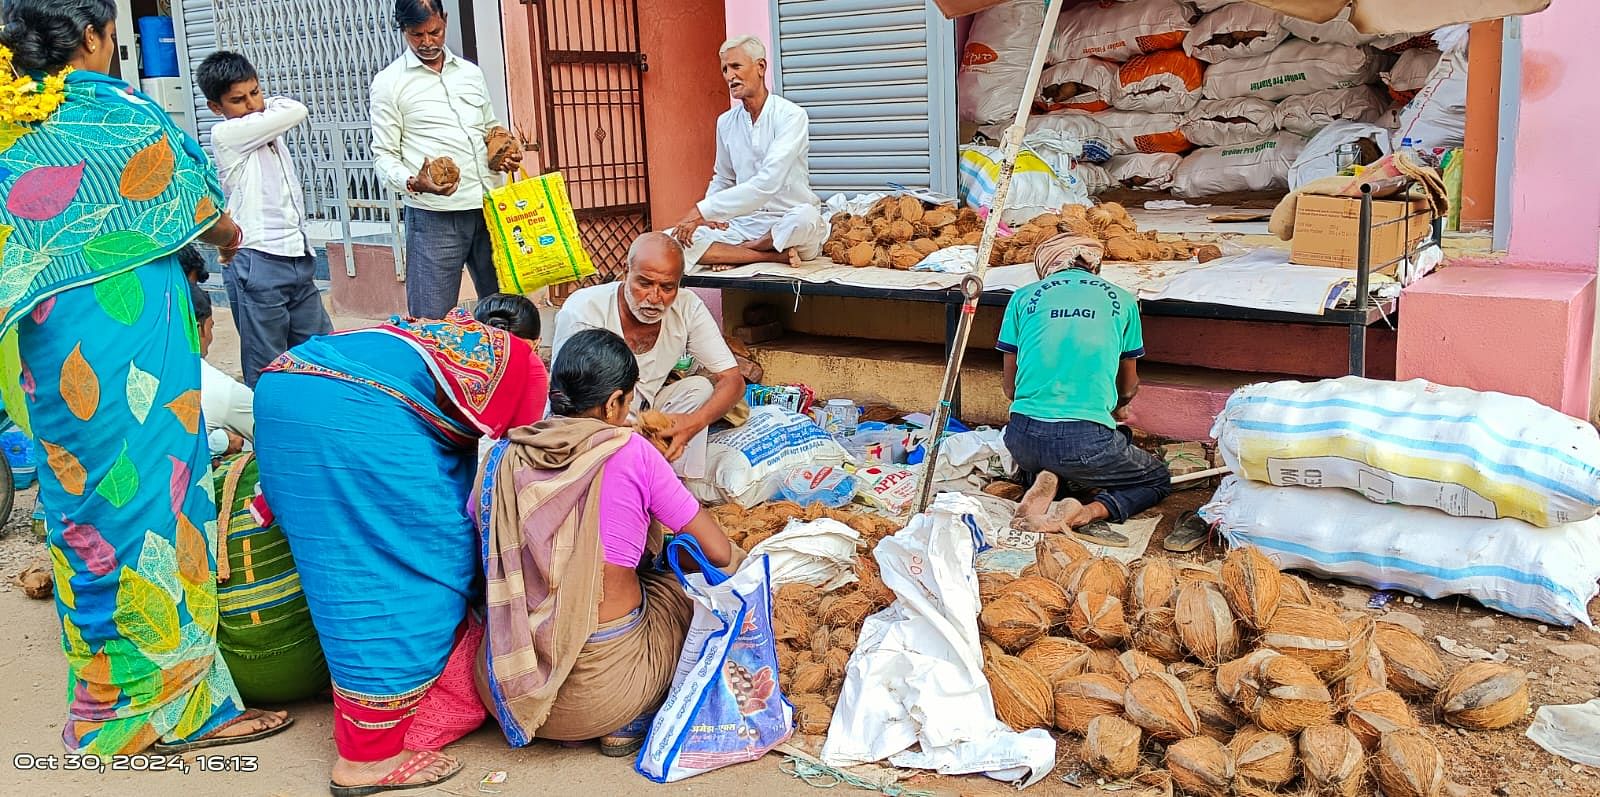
(582, 637)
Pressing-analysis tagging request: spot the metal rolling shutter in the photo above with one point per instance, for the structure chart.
(198, 23)
(877, 78)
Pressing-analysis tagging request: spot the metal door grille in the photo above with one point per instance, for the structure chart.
(323, 53)
(593, 98)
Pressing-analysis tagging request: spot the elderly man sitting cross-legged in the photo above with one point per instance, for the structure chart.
(668, 330)
(759, 207)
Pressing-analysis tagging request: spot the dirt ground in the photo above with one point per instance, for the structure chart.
(296, 762)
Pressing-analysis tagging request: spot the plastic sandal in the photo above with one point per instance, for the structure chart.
(396, 779)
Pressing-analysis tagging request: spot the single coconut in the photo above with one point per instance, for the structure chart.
(1316, 638)
(1052, 655)
(1022, 697)
(1201, 766)
(1333, 760)
(1374, 714)
(1044, 593)
(1293, 590)
(1217, 719)
(1100, 576)
(821, 639)
(1097, 620)
(1409, 765)
(1189, 572)
(1363, 650)
(1133, 664)
(1154, 581)
(847, 611)
(991, 583)
(787, 659)
(1409, 663)
(812, 715)
(1055, 555)
(1111, 747)
(793, 622)
(1100, 661)
(1250, 582)
(1013, 621)
(1205, 623)
(1158, 703)
(1234, 681)
(1081, 698)
(809, 676)
(1484, 696)
(1288, 696)
(836, 660)
(1156, 634)
(1263, 758)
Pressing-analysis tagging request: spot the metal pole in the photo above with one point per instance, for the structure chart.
(972, 284)
(1358, 329)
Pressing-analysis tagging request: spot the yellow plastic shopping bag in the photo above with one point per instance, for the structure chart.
(535, 234)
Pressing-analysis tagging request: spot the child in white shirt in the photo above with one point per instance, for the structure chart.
(270, 281)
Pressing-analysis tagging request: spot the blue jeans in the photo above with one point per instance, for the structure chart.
(438, 243)
(1085, 453)
(276, 306)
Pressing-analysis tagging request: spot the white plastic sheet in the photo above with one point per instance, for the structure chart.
(1572, 732)
(914, 691)
(821, 553)
(982, 450)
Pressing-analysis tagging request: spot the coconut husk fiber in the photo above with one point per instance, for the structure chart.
(1201, 766)
(1014, 622)
(1052, 656)
(1156, 634)
(1333, 760)
(1293, 590)
(1263, 758)
(1022, 697)
(1100, 576)
(1154, 582)
(1374, 714)
(1056, 554)
(1206, 623)
(1409, 663)
(1098, 620)
(1101, 661)
(1111, 747)
(1251, 583)
(1287, 696)
(848, 610)
(443, 172)
(1317, 639)
(991, 583)
(1158, 703)
(1409, 765)
(1044, 593)
(812, 715)
(1217, 719)
(653, 426)
(1235, 680)
(1081, 698)
(1133, 664)
(1484, 696)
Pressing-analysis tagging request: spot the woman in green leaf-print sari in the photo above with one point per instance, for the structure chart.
(97, 199)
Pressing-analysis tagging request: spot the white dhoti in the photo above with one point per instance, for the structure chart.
(800, 227)
(682, 397)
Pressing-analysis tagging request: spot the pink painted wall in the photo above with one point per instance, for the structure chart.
(1556, 215)
(754, 18)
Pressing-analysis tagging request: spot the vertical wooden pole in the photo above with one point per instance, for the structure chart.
(1483, 126)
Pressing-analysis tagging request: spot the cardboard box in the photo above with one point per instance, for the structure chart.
(960, 8)
(1326, 231)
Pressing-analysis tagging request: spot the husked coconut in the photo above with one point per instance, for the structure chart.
(1111, 747)
(1334, 762)
(1098, 620)
(1154, 582)
(1409, 663)
(1263, 758)
(1484, 696)
(1201, 766)
(1409, 765)
(1250, 582)
(1013, 621)
(1206, 624)
(1158, 703)
(1315, 638)
(1081, 698)
(1022, 697)
(1374, 714)
(1052, 655)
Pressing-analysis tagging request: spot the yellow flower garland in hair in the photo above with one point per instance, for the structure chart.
(23, 99)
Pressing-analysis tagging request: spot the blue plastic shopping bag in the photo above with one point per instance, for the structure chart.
(724, 706)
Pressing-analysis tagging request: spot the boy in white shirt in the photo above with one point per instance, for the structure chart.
(270, 281)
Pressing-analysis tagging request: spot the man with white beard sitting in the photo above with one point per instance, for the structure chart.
(668, 330)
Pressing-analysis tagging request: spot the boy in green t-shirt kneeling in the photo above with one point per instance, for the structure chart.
(1070, 344)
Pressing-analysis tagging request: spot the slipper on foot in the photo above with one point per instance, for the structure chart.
(396, 779)
(213, 740)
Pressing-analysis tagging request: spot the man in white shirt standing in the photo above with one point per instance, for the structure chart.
(668, 329)
(759, 207)
(430, 104)
(271, 285)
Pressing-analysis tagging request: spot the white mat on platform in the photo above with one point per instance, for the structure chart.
(1261, 279)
